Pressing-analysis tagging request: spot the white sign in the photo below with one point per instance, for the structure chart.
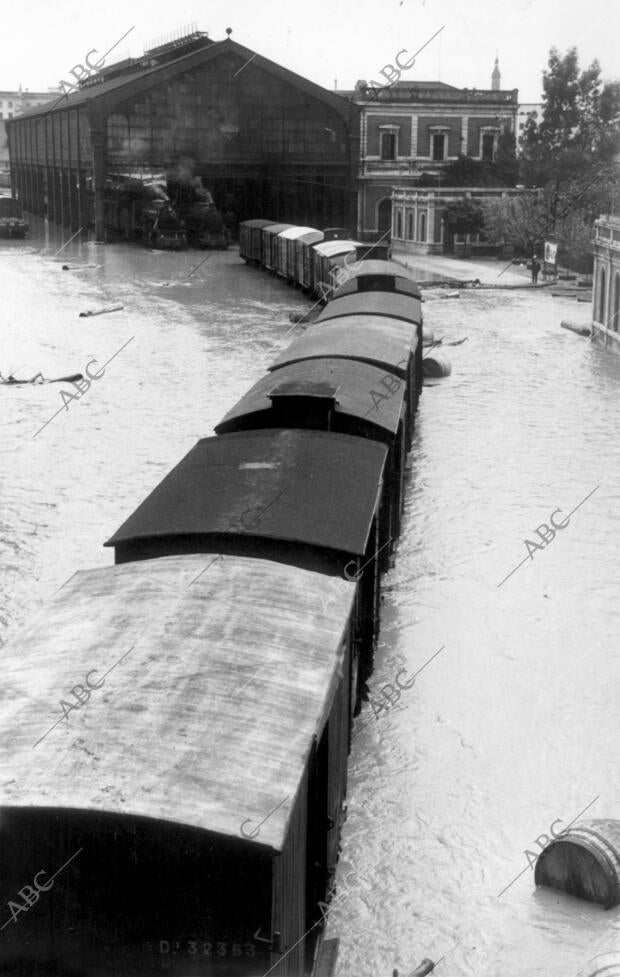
(551, 252)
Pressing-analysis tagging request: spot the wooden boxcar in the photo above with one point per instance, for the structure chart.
(287, 265)
(328, 395)
(304, 498)
(374, 276)
(173, 792)
(304, 258)
(390, 305)
(251, 240)
(390, 344)
(329, 256)
(270, 244)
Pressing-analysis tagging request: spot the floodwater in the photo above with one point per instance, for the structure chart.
(513, 724)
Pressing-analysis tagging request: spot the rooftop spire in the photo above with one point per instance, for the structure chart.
(496, 77)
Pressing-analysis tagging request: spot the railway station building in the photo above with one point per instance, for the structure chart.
(265, 141)
(412, 130)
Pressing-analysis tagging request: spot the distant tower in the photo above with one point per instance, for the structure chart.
(496, 77)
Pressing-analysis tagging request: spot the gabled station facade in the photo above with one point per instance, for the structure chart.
(255, 133)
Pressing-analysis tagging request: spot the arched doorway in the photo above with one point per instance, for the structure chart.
(384, 215)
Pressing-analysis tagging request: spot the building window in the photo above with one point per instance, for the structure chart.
(399, 224)
(438, 146)
(10, 105)
(388, 145)
(1, 115)
(422, 233)
(410, 226)
(10, 115)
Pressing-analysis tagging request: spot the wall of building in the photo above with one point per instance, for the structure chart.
(416, 113)
(606, 283)
(418, 225)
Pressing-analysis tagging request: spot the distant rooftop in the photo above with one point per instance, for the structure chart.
(426, 91)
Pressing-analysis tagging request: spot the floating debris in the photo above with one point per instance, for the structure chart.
(106, 308)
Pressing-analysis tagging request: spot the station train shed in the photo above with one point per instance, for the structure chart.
(261, 138)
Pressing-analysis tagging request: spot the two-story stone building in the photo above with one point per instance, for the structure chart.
(416, 128)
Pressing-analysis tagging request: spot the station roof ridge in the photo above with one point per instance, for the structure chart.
(136, 81)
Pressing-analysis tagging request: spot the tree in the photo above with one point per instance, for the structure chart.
(579, 129)
(463, 217)
(520, 221)
(466, 171)
(570, 156)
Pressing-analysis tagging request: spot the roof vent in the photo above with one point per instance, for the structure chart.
(304, 403)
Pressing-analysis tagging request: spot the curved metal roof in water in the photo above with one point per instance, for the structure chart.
(392, 304)
(350, 381)
(311, 487)
(380, 341)
(218, 674)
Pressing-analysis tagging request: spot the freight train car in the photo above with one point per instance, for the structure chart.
(303, 498)
(173, 794)
(304, 256)
(379, 276)
(328, 395)
(388, 344)
(251, 241)
(270, 245)
(381, 305)
(286, 254)
(329, 256)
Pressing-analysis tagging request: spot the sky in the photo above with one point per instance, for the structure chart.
(332, 43)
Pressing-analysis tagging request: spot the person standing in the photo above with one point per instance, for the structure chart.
(535, 269)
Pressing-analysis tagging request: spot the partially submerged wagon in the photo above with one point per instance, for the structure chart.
(303, 498)
(172, 770)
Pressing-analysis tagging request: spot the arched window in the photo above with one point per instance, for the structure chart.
(601, 297)
(410, 225)
(422, 234)
(399, 223)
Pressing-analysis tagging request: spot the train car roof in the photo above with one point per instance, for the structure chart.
(392, 304)
(348, 381)
(377, 340)
(277, 228)
(217, 680)
(376, 266)
(314, 237)
(312, 487)
(295, 232)
(337, 246)
(402, 286)
(256, 223)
